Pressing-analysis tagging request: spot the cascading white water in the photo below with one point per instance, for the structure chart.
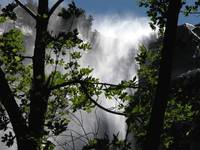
(113, 56)
(113, 59)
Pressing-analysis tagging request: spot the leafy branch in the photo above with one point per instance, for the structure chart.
(84, 88)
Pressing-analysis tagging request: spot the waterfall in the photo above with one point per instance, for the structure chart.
(113, 59)
(113, 56)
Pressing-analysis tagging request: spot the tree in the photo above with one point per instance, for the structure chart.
(32, 98)
(161, 97)
(162, 14)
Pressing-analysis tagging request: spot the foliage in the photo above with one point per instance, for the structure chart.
(72, 11)
(19, 74)
(157, 11)
(11, 46)
(182, 110)
(8, 12)
(164, 14)
(70, 86)
(139, 108)
(189, 9)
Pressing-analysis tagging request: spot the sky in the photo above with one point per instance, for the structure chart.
(111, 6)
(119, 7)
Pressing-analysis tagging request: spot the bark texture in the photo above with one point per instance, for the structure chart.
(163, 87)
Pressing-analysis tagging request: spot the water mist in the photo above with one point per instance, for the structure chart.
(113, 58)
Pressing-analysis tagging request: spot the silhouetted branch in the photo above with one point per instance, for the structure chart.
(28, 10)
(113, 85)
(54, 7)
(97, 104)
(72, 141)
(27, 57)
(78, 81)
(82, 83)
(64, 84)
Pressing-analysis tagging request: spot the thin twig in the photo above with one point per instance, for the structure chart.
(72, 141)
(82, 126)
(98, 124)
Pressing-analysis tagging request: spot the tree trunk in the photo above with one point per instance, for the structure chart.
(20, 128)
(27, 144)
(29, 137)
(163, 87)
(39, 94)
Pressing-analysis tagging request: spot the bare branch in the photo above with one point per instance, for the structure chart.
(54, 7)
(27, 57)
(28, 10)
(72, 141)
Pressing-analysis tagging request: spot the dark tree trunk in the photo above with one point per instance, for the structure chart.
(20, 128)
(162, 92)
(27, 144)
(29, 134)
(39, 96)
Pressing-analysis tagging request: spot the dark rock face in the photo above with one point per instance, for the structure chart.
(186, 74)
(187, 53)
